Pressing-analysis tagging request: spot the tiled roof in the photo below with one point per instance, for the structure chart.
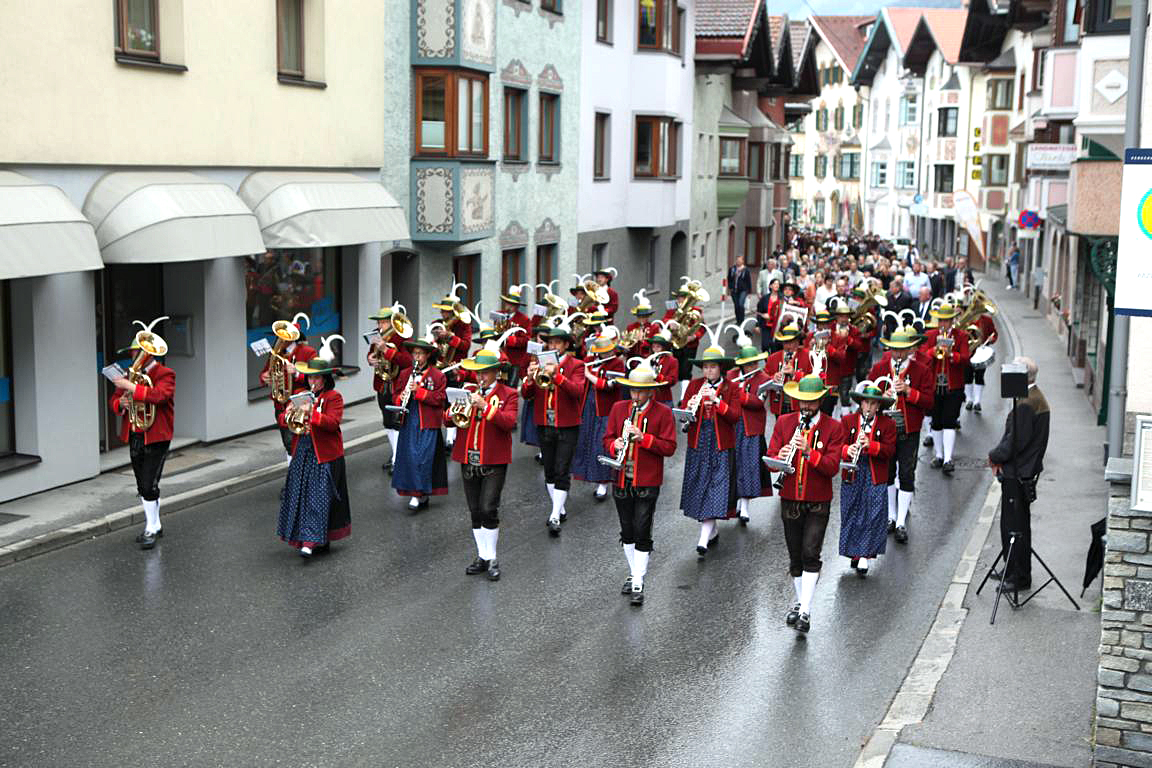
(902, 22)
(775, 27)
(947, 28)
(797, 35)
(845, 35)
(724, 18)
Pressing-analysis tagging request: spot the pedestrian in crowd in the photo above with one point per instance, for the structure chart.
(767, 311)
(764, 280)
(420, 469)
(916, 278)
(1013, 267)
(898, 298)
(923, 306)
(935, 280)
(869, 446)
(825, 289)
(739, 286)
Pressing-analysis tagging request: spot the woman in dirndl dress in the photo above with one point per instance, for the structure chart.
(600, 394)
(529, 432)
(871, 435)
(753, 480)
(708, 492)
(314, 508)
(421, 469)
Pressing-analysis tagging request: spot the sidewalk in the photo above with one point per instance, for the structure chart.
(1024, 689)
(192, 474)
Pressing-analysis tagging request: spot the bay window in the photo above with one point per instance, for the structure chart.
(451, 112)
(660, 24)
(732, 156)
(656, 148)
(756, 161)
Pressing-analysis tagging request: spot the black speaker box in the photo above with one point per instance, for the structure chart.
(1013, 380)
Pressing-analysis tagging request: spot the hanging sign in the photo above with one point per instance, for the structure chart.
(1133, 267)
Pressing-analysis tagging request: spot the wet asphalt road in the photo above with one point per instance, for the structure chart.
(223, 647)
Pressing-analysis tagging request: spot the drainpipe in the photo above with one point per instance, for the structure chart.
(1118, 341)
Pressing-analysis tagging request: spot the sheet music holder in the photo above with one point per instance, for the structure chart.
(260, 347)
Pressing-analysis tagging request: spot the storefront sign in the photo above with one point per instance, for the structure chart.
(1050, 157)
(1133, 267)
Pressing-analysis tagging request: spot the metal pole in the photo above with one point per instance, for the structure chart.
(1118, 343)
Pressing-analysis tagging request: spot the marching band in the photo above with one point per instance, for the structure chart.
(603, 407)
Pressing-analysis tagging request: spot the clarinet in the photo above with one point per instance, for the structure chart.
(406, 395)
(853, 463)
(697, 400)
(789, 453)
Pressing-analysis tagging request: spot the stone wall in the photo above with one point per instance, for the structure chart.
(1124, 679)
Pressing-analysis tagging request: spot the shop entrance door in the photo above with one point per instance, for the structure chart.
(124, 292)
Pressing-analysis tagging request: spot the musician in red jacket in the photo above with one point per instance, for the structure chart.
(642, 329)
(146, 411)
(293, 349)
(600, 394)
(789, 363)
(826, 358)
(420, 468)
(974, 377)
(516, 345)
(847, 338)
(869, 445)
(557, 412)
(454, 340)
(484, 452)
(641, 433)
(902, 374)
(388, 353)
(708, 493)
(666, 365)
(604, 276)
(752, 477)
(809, 443)
(314, 507)
(945, 350)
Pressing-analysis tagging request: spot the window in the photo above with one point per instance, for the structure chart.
(600, 160)
(290, 38)
(996, 170)
(848, 166)
(1110, 16)
(838, 117)
(604, 21)
(731, 156)
(817, 211)
(908, 109)
(281, 283)
(138, 28)
(946, 121)
(511, 268)
(755, 242)
(464, 270)
(796, 166)
(1000, 93)
(657, 147)
(879, 173)
(857, 116)
(550, 5)
(942, 178)
(441, 94)
(821, 166)
(795, 209)
(822, 119)
(546, 266)
(549, 128)
(906, 174)
(599, 255)
(514, 125)
(1070, 28)
(777, 153)
(659, 25)
(756, 160)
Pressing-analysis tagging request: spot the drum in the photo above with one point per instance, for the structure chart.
(982, 357)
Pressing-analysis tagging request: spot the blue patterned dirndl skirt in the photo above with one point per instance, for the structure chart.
(863, 516)
(529, 432)
(752, 478)
(314, 505)
(420, 468)
(707, 490)
(590, 444)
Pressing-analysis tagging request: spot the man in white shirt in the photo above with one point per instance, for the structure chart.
(916, 279)
(766, 276)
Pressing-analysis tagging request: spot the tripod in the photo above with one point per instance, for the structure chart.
(1013, 596)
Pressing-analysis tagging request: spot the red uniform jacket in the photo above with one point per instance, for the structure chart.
(879, 449)
(460, 342)
(920, 396)
(327, 440)
(161, 395)
(851, 346)
(566, 396)
(775, 362)
(752, 409)
(724, 414)
(987, 326)
(613, 303)
(516, 344)
(812, 480)
(648, 452)
(671, 315)
(668, 368)
(398, 354)
(953, 364)
(490, 431)
(429, 393)
(642, 348)
(606, 392)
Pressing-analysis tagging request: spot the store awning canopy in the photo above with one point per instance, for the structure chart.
(146, 217)
(301, 209)
(41, 231)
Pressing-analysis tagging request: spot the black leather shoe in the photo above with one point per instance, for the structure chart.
(386, 467)
(701, 552)
(322, 549)
(891, 527)
(141, 536)
(553, 527)
(928, 441)
(792, 615)
(948, 467)
(744, 520)
(493, 571)
(968, 405)
(627, 588)
(638, 596)
(803, 623)
(479, 565)
(977, 408)
(901, 535)
(937, 463)
(148, 540)
(563, 517)
(600, 496)
(855, 562)
(539, 458)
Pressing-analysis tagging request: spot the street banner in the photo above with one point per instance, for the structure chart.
(1133, 264)
(968, 216)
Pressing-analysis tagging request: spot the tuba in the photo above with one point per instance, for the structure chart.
(279, 375)
(978, 304)
(862, 316)
(142, 415)
(686, 318)
(386, 369)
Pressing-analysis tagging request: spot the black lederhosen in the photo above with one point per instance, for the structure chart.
(557, 445)
(946, 409)
(482, 488)
(635, 507)
(902, 465)
(804, 526)
(147, 465)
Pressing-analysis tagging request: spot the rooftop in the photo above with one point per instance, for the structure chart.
(845, 35)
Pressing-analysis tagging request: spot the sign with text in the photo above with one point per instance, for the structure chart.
(1050, 157)
(1133, 265)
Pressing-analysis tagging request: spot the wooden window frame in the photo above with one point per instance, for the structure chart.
(993, 89)
(758, 149)
(552, 6)
(936, 178)
(675, 45)
(942, 129)
(857, 116)
(988, 165)
(122, 38)
(754, 256)
(452, 79)
(548, 138)
(604, 14)
(601, 143)
(468, 276)
(838, 117)
(553, 266)
(820, 167)
(516, 257)
(514, 133)
(742, 171)
(280, 68)
(665, 146)
(796, 166)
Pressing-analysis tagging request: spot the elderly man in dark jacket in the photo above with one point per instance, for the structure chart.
(1018, 460)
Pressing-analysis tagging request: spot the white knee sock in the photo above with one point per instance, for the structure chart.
(450, 434)
(151, 515)
(639, 568)
(630, 556)
(892, 502)
(796, 581)
(904, 503)
(558, 499)
(949, 443)
(601, 488)
(968, 392)
(742, 507)
(977, 393)
(938, 443)
(683, 388)
(706, 529)
(807, 590)
(493, 536)
(863, 564)
(551, 490)
(393, 439)
(481, 543)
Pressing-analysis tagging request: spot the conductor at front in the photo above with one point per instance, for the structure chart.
(1018, 460)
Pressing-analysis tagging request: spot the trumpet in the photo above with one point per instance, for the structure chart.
(543, 379)
(298, 419)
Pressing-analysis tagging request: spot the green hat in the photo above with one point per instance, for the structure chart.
(660, 338)
(643, 376)
(560, 332)
(513, 295)
(945, 311)
(869, 391)
(822, 316)
(484, 360)
(643, 310)
(486, 332)
(750, 355)
(417, 342)
(787, 333)
(714, 355)
(317, 365)
(902, 338)
(381, 314)
(809, 388)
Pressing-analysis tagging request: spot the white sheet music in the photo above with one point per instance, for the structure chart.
(261, 347)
